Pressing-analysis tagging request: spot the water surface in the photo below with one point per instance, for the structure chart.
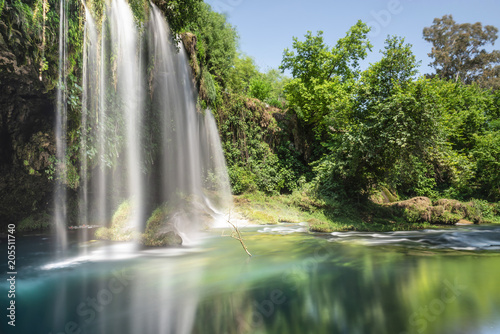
(443, 281)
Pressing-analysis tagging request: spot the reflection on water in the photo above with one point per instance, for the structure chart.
(296, 282)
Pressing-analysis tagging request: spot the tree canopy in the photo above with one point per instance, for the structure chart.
(459, 51)
(318, 72)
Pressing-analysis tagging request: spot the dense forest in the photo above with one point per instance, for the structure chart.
(321, 135)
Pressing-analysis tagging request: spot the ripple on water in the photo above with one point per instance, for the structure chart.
(469, 238)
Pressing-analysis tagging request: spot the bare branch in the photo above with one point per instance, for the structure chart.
(236, 234)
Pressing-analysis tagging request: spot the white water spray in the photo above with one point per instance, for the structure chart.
(60, 198)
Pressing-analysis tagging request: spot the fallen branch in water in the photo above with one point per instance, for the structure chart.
(235, 234)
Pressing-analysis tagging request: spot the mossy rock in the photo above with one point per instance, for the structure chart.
(119, 230)
(415, 209)
(420, 203)
(103, 233)
(159, 231)
(444, 211)
(162, 239)
(121, 216)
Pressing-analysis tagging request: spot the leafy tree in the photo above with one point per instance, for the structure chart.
(260, 88)
(218, 39)
(318, 72)
(180, 13)
(397, 131)
(314, 60)
(277, 81)
(397, 67)
(459, 51)
(487, 156)
(242, 73)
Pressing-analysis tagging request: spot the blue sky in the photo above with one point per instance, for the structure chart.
(266, 27)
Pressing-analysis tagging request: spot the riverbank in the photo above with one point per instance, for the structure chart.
(330, 216)
(334, 216)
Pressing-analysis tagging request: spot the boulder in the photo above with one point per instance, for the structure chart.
(463, 222)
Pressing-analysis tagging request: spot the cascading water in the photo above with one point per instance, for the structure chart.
(100, 180)
(214, 155)
(89, 105)
(191, 163)
(149, 143)
(60, 133)
(128, 92)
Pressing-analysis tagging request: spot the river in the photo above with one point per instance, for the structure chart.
(431, 281)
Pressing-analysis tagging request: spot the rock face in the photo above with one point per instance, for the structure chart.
(26, 112)
(190, 44)
(26, 139)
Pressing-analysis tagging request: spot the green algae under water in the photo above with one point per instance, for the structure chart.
(296, 282)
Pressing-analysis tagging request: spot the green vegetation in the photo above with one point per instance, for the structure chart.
(328, 216)
(39, 221)
(416, 136)
(302, 206)
(383, 130)
(355, 138)
(458, 52)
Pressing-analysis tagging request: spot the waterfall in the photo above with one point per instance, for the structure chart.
(60, 196)
(149, 142)
(89, 107)
(192, 158)
(99, 185)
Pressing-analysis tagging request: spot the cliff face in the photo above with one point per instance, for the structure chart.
(26, 134)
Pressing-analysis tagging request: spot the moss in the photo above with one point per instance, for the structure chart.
(262, 217)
